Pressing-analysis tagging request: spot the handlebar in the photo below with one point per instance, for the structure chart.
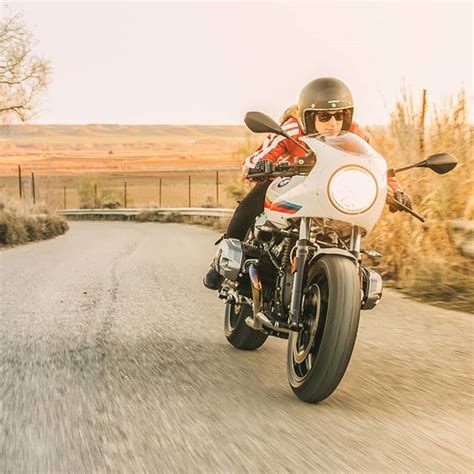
(285, 170)
(282, 171)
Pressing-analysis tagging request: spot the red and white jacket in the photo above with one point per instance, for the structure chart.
(279, 149)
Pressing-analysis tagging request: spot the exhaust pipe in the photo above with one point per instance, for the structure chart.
(257, 298)
(259, 318)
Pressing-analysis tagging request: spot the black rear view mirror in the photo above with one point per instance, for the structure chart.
(440, 163)
(261, 123)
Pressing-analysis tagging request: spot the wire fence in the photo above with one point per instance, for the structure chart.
(219, 188)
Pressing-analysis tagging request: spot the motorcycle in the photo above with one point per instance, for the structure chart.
(298, 275)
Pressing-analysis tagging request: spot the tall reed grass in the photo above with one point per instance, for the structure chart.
(422, 259)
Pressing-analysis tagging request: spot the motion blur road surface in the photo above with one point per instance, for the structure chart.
(113, 358)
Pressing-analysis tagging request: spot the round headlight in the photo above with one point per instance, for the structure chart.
(352, 189)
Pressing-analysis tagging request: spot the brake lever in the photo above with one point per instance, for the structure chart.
(392, 200)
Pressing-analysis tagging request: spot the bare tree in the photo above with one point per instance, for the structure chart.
(23, 74)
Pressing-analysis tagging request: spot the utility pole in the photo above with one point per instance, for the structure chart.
(19, 182)
(189, 191)
(33, 191)
(160, 194)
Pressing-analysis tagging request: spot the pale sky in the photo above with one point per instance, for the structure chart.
(209, 63)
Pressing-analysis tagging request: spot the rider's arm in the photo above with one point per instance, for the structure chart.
(393, 184)
(274, 146)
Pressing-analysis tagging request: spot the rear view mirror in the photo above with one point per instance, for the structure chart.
(261, 123)
(440, 163)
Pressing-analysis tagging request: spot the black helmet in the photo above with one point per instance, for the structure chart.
(325, 93)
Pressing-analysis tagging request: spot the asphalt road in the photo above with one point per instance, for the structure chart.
(113, 359)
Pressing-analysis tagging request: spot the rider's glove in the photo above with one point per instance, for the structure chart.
(262, 166)
(402, 197)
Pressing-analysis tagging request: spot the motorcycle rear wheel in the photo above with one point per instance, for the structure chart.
(318, 356)
(236, 330)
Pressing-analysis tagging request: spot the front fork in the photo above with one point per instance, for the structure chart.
(303, 246)
(356, 236)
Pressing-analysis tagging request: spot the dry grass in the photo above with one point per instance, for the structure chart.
(423, 260)
(21, 223)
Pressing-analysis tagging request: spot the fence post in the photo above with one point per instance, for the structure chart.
(33, 190)
(160, 194)
(95, 196)
(125, 194)
(189, 191)
(217, 188)
(19, 181)
(422, 124)
(64, 197)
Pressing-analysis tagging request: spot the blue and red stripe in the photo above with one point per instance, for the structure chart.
(282, 206)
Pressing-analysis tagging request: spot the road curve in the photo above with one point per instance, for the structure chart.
(113, 358)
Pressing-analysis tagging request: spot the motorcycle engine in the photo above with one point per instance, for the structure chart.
(232, 255)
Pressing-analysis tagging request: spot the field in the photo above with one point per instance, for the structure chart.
(79, 158)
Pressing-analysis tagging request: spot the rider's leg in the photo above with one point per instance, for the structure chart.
(248, 209)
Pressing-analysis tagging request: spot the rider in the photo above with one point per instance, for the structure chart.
(325, 106)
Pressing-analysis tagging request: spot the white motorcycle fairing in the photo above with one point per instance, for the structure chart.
(308, 196)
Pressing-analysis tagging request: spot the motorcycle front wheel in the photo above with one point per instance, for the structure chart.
(236, 330)
(319, 354)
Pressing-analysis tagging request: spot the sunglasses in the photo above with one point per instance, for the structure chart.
(326, 116)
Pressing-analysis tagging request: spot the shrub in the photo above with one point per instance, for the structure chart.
(156, 216)
(110, 205)
(20, 223)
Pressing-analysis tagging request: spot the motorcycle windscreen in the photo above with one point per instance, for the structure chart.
(346, 142)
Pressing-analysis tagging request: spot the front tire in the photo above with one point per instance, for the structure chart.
(318, 356)
(236, 330)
